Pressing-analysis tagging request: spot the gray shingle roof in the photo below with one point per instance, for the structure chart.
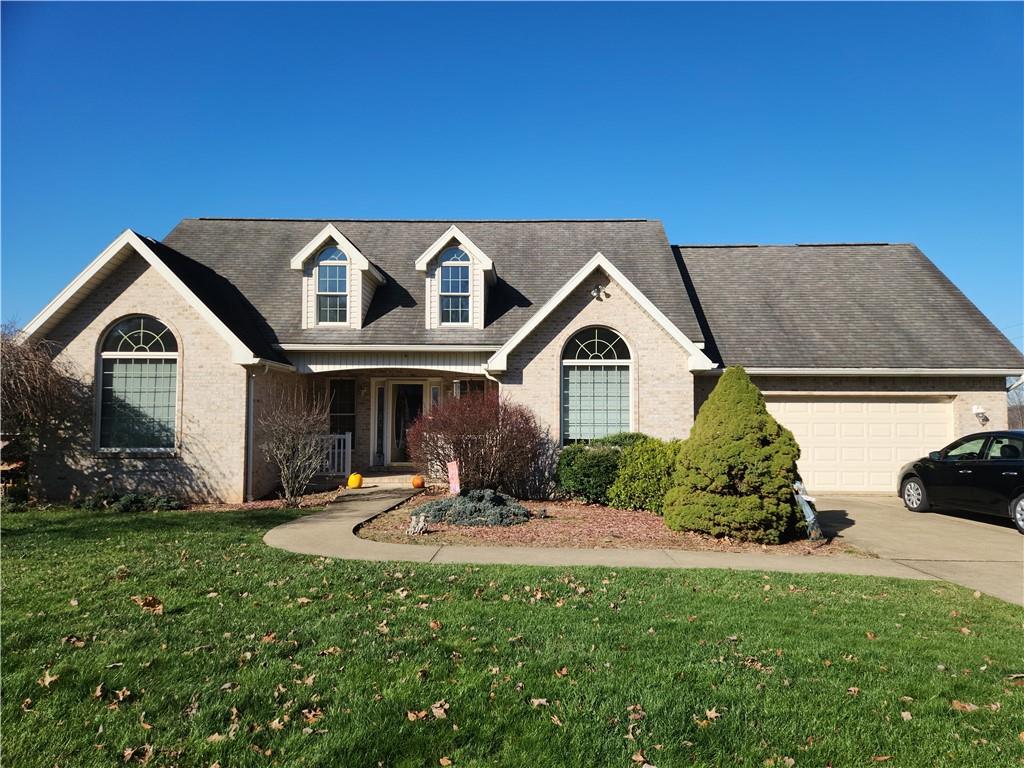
(837, 306)
(533, 259)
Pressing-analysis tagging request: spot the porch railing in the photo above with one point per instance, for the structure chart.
(337, 454)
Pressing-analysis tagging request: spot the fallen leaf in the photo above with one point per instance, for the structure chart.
(213, 738)
(47, 679)
(977, 594)
(965, 631)
(994, 706)
(445, 761)
(98, 693)
(435, 625)
(871, 635)
(712, 714)
(853, 690)
(149, 604)
(332, 651)
(303, 601)
(638, 757)
(142, 721)
(270, 637)
(556, 721)
(414, 716)
(439, 709)
(538, 703)
(26, 706)
(73, 602)
(963, 706)
(906, 715)
(881, 758)
(73, 640)
(562, 672)
(276, 724)
(229, 686)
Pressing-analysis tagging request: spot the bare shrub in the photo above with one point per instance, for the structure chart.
(498, 444)
(292, 419)
(45, 406)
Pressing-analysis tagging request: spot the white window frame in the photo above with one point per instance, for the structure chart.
(614, 362)
(101, 356)
(466, 262)
(341, 261)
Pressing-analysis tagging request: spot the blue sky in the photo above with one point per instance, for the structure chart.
(731, 123)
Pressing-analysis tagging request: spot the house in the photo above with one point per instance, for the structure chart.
(866, 351)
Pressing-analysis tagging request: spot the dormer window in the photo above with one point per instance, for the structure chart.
(331, 286)
(455, 293)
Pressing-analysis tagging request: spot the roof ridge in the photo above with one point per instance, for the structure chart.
(790, 245)
(414, 221)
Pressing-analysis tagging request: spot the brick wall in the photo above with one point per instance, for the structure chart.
(209, 462)
(661, 382)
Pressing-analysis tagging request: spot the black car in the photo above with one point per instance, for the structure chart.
(983, 472)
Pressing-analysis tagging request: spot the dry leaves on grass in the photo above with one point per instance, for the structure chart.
(963, 706)
(47, 679)
(149, 604)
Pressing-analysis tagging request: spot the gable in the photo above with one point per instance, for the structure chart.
(592, 271)
(130, 244)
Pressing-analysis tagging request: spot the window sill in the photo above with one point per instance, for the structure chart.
(335, 325)
(137, 453)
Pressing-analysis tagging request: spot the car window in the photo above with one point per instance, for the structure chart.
(967, 450)
(1005, 449)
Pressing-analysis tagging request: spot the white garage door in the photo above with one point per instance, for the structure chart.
(860, 443)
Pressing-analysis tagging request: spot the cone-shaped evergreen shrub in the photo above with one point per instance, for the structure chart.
(734, 475)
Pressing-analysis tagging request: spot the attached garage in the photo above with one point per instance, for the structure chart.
(859, 443)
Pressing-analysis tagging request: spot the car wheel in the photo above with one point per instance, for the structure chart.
(914, 496)
(1017, 513)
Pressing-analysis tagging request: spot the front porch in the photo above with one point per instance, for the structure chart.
(376, 408)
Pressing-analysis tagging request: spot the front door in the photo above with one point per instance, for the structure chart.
(408, 405)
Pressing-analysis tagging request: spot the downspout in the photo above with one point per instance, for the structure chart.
(250, 431)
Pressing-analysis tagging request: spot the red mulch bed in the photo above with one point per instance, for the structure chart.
(309, 500)
(573, 524)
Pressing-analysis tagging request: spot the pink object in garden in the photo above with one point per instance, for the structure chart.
(453, 477)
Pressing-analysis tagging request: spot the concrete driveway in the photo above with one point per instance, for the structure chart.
(977, 551)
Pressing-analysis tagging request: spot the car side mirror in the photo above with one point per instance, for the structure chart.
(935, 455)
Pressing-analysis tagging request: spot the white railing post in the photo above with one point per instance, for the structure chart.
(337, 454)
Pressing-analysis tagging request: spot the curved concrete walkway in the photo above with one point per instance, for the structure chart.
(331, 533)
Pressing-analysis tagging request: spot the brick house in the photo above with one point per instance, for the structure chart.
(866, 351)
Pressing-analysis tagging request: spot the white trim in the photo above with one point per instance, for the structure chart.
(887, 394)
(39, 324)
(878, 372)
(698, 360)
(454, 233)
(386, 348)
(331, 232)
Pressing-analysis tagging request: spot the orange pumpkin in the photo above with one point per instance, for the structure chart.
(418, 481)
(355, 480)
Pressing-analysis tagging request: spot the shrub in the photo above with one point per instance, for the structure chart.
(734, 476)
(645, 475)
(292, 419)
(484, 507)
(125, 503)
(621, 440)
(587, 471)
(499, 445)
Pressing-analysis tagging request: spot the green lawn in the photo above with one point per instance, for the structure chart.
(264, 658)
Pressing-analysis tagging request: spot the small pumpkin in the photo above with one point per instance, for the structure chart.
(355, 480)
(418, 481)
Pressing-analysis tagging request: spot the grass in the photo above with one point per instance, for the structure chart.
(816, 669)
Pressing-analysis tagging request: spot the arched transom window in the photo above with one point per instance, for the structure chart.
(332, 286)
(138, 385)
(595, 385)
(455, 292)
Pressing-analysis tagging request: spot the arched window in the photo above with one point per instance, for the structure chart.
(139, 385)
(454, 286)
(595, 385)
(332, 286)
